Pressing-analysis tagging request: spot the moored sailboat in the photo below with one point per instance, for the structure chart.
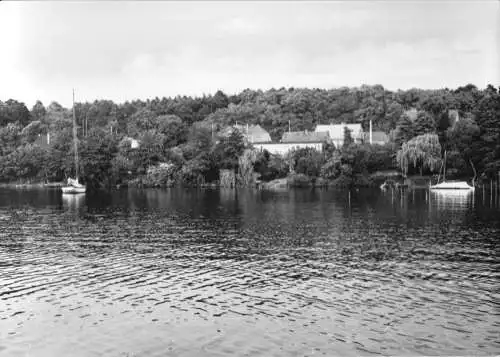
(73, 186)
(450, 185)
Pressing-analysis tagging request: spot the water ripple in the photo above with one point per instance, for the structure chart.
(268, 275)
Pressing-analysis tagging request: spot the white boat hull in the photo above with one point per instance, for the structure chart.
(452, 185)
(73, 190)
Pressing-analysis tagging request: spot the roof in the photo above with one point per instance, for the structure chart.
(377, 136)
(304, 137)
(252, 133)
(336, 131)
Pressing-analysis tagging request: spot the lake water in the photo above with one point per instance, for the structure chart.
(248, 273)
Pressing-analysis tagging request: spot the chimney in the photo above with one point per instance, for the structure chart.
(48, 138)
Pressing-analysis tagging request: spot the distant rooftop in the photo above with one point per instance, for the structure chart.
(252, 133)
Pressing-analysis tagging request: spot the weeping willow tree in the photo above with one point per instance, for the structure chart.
(245, 167)
(423, 151)
(227, 178)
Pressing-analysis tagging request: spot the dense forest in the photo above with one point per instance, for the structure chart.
(180, 142)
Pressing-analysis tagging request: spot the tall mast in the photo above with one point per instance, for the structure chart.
(371, 136)
(75, 144)
(444, 169)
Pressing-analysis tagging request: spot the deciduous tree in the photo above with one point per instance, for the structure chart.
(423, 152)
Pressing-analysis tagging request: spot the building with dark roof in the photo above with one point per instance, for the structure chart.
(251, 133)
(295, 140)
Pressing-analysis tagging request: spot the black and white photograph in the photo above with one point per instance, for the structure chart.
(234, 178)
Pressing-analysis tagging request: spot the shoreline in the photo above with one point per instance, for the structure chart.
(31, 185)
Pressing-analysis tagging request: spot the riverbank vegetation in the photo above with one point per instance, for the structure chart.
(170, 141)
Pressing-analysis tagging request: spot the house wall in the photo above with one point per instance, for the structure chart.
(283, 148)
(261, 137)
(336, 132)
(43, 140)
(339, 142)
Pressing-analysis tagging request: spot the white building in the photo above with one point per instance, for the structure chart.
(336, 132)
(284, 148)
(295, 140)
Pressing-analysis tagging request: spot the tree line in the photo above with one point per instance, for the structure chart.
(180, 138)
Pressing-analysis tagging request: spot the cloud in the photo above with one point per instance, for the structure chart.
(240, 26)
(127, 50)
(12, 80)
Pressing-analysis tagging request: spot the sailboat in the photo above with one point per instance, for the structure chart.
(450, 185)
(73, 186)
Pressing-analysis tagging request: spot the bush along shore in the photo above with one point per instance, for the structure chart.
(202, 141)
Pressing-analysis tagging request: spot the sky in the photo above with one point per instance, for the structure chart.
(138, 50)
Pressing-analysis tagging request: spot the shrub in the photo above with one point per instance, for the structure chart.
(299, 180)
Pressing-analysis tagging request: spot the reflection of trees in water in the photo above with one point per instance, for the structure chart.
(158, 199)
(180, 204)
(386, 224)
(488, 197)
(287, 220)
(404, 206)
(421, 206)
(330, 225)
(29, 196)
(357, 223)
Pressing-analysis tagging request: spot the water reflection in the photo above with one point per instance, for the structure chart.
(455, 200)
(73, 202)
(235, 272)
